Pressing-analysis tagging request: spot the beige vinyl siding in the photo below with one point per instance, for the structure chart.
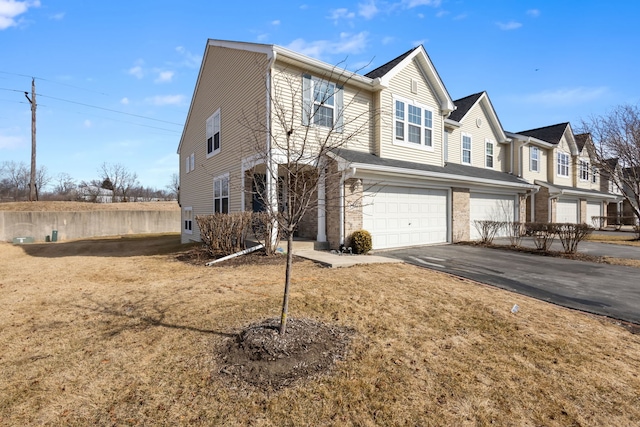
(234, 82)
(543, 163)
(478, 137)
(400, 85)
(357, 104)
(589, 185)
(552, 162)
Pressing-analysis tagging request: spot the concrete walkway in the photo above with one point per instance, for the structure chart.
(333, 260)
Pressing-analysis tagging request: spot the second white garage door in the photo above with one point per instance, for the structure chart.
(567, 211)
(405, 216)
(494, 207)
(593, 209)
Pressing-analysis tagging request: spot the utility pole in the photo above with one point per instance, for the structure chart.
(32, 100)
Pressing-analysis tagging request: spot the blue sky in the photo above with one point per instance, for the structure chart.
(114, 78)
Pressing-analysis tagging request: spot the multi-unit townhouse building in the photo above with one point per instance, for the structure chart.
(424, 169)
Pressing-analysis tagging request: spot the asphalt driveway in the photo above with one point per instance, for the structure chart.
(603, 289)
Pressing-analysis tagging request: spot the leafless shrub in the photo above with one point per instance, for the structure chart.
(264, 228)
(542, 233)
(224, 233)
(487, 229)
(599, 221)
(572, 234)
(515, 230)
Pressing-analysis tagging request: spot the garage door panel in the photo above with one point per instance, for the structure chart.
(403, 216)
(490, 207)
(567, 211)
(593, 209)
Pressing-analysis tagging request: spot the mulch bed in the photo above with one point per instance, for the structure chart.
(198, 255)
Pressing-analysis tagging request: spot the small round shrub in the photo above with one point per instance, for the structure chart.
(361, 241)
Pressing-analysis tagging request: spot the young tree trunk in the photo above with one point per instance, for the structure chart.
(287, 282)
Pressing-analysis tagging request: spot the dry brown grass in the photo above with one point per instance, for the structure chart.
(628, 239)
(85, 206)
(116, 332)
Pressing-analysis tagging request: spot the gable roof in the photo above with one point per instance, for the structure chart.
(581, 140)
(551, 134)
(463, 105)
(385, 68)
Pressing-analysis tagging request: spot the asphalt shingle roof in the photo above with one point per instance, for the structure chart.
(581, 140)
(463, 105)
(353, 156)
(551, 134)
(384, 69)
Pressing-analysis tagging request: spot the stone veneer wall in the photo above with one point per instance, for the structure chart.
(583, 212)
(460, 215)
(522, 216)
(542, 205)
(353, 193)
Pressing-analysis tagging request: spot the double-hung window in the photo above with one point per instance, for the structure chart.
(594, 171)
(322, 103)
(563, 164)
(466, 148)
(413, 124)
(190, 163)
(213, 134)
(188, 220)
(221, 194)
(584, 170)
(534, 159)
(488, 153)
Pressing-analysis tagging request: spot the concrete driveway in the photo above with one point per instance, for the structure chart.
(603, 289)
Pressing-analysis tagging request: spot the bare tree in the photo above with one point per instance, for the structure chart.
(174, 186)
(616, 135)
(42, 180)
(65, 185)
(17, 176)
(311, 120)
(121, 180)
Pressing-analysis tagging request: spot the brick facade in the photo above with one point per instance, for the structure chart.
(460, 215)
(542, 206)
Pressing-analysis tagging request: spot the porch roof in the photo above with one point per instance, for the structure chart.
(573, 191)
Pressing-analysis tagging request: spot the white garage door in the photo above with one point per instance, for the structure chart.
(405, 216)
(593, 209)
(493, 207)
(567, 211)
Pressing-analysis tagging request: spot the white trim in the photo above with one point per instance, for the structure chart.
(568, 156)
(221, 178)
(210, 133)
(405, 141)
(538, 151)
(582, 162)
(488, 142)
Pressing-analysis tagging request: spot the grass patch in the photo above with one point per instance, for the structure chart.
(119, 332)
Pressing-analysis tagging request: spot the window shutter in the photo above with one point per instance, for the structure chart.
(339, 107)
(307, 103)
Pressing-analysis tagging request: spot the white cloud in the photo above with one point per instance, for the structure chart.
(164, 76)
(388, 40)
(189, 59)
(275, 22)
(368, 10)
(262, 37)
(162, 100)
(460, 17)
(534, 13)
(511, 25)
(441, 13)
(342, 13)
(137, 71)
(417, 43)
(566, 96)
(124, 101)
(7, 141)
(11, 9)
(57, 16)
(87, 123)
(348, 44)
(410, 4)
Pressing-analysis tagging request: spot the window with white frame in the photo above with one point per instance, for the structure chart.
(563, 164)
(594, 171)
(221, 194)
(466, 148)
(534, 159)
(213, 133)
(187, 213)
(322, 103)
(488, 151)
(584, 170)
(413, 123)
(190, 163)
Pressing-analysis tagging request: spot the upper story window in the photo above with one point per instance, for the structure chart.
(488, 153)
(221, 194)
(584, 170)
(594, 171)
(213, 134)
(322, 103)
(534, 159)
(563, 164)
(413, 124)
(466, 148)
(190, 163)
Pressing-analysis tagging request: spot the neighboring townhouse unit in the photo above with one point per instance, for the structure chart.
(559, 162)
(425, 168)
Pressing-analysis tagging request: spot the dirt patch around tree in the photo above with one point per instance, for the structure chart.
(262, 358)
(198, 255)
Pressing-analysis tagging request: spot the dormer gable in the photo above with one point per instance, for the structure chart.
(481, 100)
(418, 55)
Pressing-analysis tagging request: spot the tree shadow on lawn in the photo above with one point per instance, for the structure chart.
(119, 246)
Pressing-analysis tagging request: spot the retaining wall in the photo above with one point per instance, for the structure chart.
(78, 225)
